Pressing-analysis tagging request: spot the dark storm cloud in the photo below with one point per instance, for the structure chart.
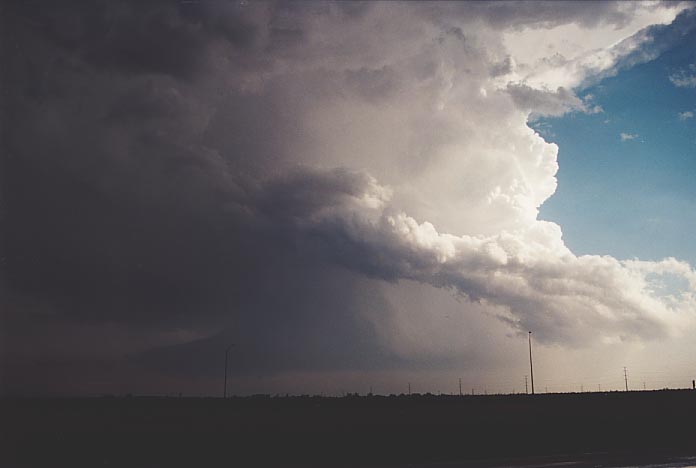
(119, 211)
(373, 84)
(136, 37)
(297, 317)
(545, 13)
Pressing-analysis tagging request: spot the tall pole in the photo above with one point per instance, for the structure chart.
(531, 364)
(526, 388)
(460, 387)
(224, 388)
(626, 378)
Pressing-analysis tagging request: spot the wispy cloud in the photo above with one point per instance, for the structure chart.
(686, 115)
(544, 102)
(684, 78)
(628, 136)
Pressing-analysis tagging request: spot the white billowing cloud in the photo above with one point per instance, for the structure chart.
(441, 178)
(684, 78)
(686, 115)
(528, 276)
(628, 136)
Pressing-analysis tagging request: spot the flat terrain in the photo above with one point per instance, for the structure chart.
(373, 431)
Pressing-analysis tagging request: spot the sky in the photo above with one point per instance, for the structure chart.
(630, 196)
(356, 195)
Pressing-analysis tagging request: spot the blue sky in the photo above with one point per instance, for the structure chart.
(634, 197)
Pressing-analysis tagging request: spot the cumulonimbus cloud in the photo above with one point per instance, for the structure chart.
(174, 169)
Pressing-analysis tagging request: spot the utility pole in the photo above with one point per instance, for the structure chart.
(409, 388)
(626, 377)
(224, 388)
(526, 389)
(531, 365)
(460, 387)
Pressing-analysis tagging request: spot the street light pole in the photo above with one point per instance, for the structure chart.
(224, 388)
(531, 365)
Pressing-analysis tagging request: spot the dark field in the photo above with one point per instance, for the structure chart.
(597, 429)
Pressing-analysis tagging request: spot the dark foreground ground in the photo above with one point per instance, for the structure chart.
(589, 429)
